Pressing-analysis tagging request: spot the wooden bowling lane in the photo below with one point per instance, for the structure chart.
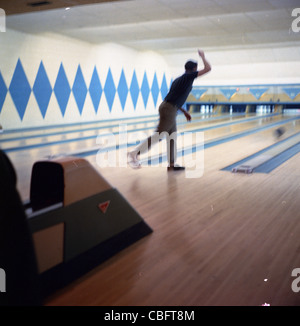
(258, 141)
(219, 157)
(218, 240)
(222, 239)
(34, 137)
(23, 160)
(75, 126)
(82, 133)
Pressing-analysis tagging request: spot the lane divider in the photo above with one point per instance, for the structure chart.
(64, 132)
(269, 158)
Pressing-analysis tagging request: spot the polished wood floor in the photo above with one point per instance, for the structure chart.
(219, 239)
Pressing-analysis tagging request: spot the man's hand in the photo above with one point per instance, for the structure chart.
(207, 66)
(188, 116)
(201, 53)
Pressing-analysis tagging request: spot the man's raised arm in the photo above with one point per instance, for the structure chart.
(207, 66)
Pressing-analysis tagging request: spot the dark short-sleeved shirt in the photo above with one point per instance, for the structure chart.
(180, 89)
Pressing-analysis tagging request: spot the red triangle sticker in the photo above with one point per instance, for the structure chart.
(104, 206)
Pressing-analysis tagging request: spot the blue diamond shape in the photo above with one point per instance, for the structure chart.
(62, 89)
(95, 90)
(123, 89)
(42, 89)
(155, 89)
(109, 90)
(79, 89)
(145, 90)
(134, 89)
(3, 91)
(164, 87)
(20, 89)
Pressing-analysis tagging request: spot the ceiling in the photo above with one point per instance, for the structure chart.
(161, 25)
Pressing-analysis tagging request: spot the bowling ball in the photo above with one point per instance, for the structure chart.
(279, 132)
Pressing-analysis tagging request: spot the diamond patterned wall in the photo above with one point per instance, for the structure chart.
(111, 87)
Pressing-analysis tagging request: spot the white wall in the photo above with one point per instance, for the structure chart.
(244, 66)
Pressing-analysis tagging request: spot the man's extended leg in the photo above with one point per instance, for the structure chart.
(172, 150)
(167, 119)
(143, 147)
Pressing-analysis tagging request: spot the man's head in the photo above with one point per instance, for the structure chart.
(191, 66)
